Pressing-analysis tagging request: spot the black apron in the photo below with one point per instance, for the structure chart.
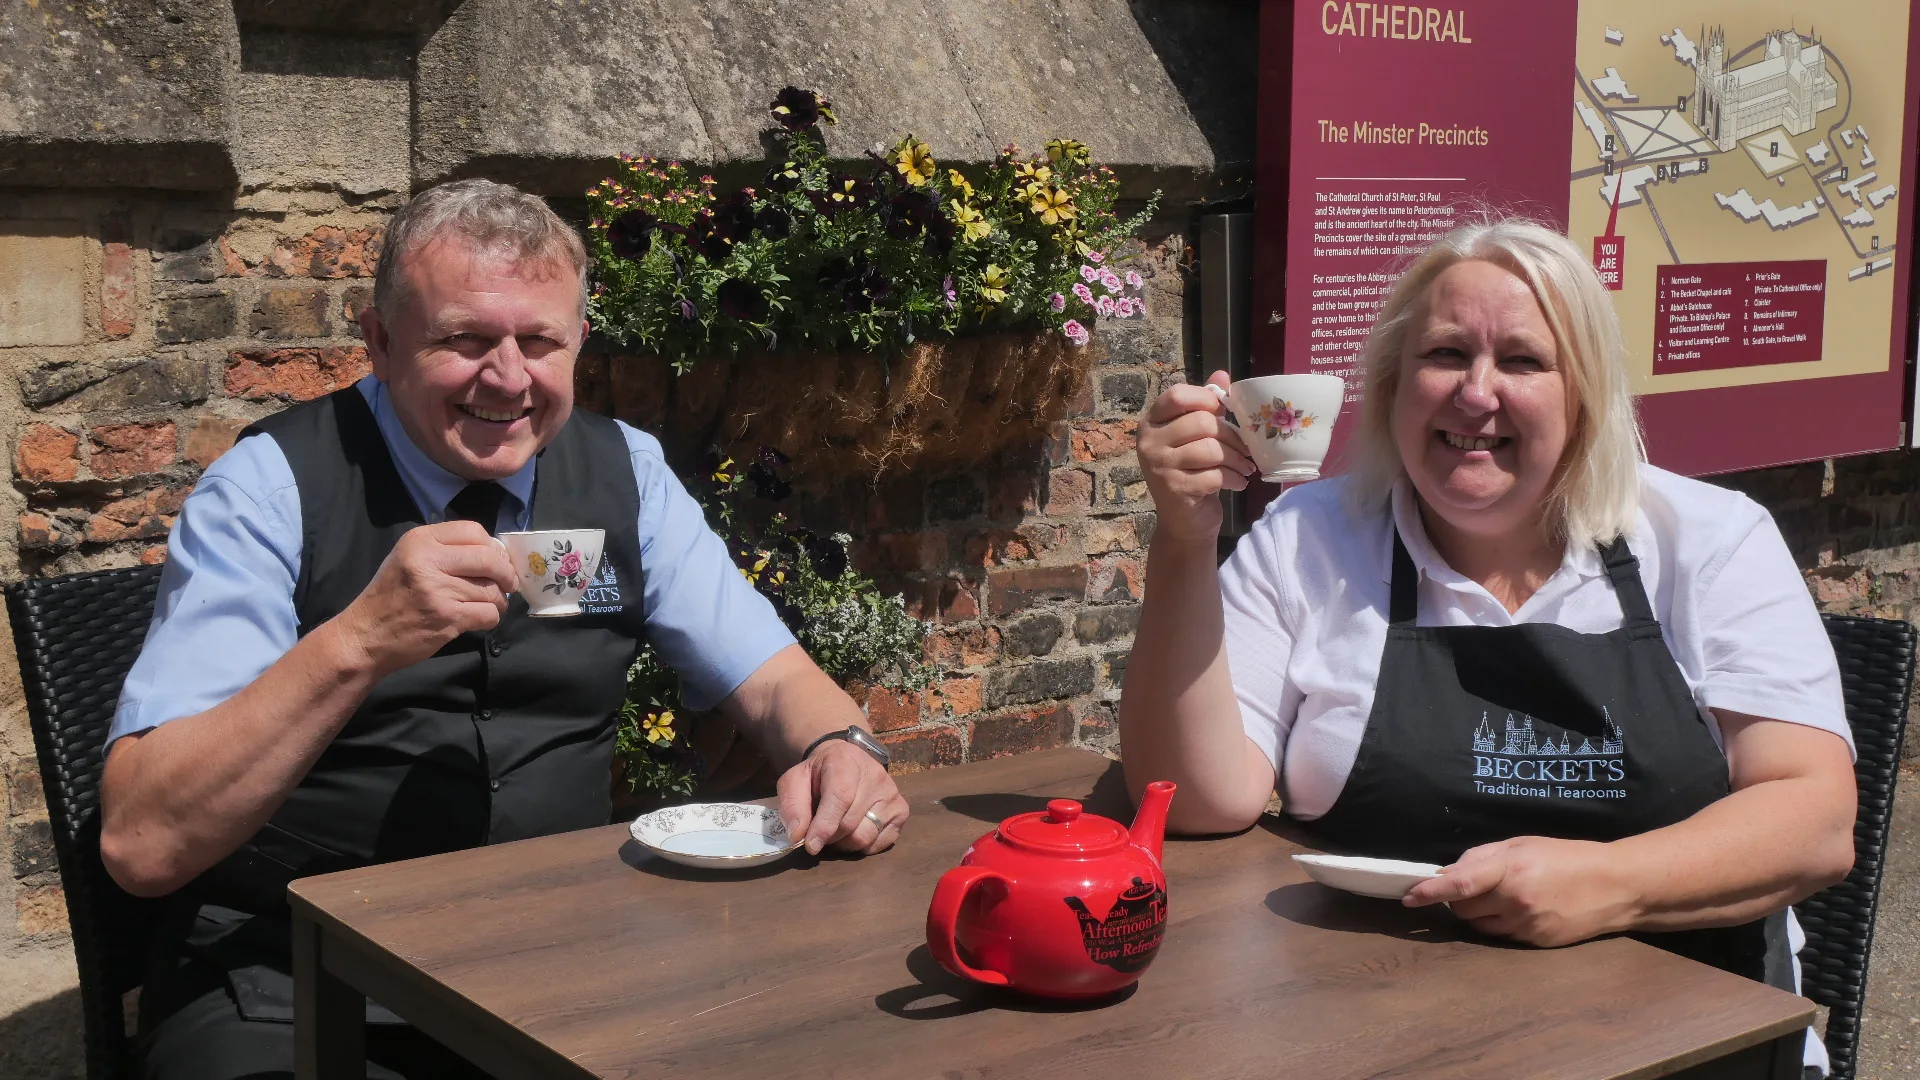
(1484, 733)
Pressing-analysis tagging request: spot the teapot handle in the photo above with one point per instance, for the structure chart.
(944, 915)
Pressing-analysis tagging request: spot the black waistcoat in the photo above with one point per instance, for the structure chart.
(1483, 733)
(496, 737)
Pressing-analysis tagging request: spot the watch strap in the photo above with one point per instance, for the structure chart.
(847, 735)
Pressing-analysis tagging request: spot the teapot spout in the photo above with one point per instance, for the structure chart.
(1150, 824)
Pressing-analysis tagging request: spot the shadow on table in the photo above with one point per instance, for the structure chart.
(938, 994)
(646, 862)
(1107, 798)
(1309, 903)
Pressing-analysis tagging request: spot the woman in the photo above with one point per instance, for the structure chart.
(1597, 692)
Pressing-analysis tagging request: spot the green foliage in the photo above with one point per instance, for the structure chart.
(839, 615)
(819, 257)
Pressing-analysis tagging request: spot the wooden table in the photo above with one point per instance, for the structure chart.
(580, 955)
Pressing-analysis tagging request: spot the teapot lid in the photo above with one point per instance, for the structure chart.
(1065, 828)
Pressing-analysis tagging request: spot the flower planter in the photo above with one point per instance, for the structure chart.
(936, 404)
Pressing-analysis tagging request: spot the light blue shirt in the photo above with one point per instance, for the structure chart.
(225, 611)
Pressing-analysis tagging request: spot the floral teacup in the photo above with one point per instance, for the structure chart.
(554, 565)
(1286, 422)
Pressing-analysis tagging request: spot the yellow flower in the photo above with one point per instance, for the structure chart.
(993, 285)
(724, 473)
(1068, 151)
(973, 225)
(1053, 204)
(536, 564)
(1029, 173)
(959, 182)
(914, 160)
(658, 727)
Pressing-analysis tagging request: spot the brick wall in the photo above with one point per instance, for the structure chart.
(175, 323)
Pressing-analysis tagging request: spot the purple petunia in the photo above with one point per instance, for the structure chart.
(1059, 302)
(1076, 333)
(1085, 294)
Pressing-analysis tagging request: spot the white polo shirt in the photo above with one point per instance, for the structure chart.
(1306, 592)
(1305, 597)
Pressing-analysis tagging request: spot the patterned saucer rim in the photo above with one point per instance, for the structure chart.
(666, 822)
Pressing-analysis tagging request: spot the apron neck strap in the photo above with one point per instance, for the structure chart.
(1623, 569)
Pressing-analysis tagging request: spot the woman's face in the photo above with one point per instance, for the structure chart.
(1482, 413)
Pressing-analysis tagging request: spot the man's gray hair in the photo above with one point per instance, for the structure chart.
(485, 217)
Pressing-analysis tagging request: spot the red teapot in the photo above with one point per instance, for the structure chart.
(1057, 904)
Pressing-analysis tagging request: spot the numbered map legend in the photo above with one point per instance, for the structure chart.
(1709, 316)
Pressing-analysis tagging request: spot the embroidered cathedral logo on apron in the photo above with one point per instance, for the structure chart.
(1543, 764)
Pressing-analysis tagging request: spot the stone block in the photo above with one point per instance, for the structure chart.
(1015, 590)
(357, 299)
(958, 697)
(129, 94)
(38, 532)
(32, 843)
(40, 909)
(1116, 665)
(1068, 491)
(294, 374)
(1097, 440)
(1103, 535)
(43, 271)
(123, 450)
(1099, 625)
(922, 749)
(282, 314)
(1034, 636)
(1124, 484)
(1115, 578)
(145, 516)
(323, 110)
(193, 318)
(179, 255)
(889, 710)
(1125, 392)
(996, 547)
(925, 550)
(967, 647)
(119, 306)
(48, 454)
(44, 385)
(1012, 495)
(212, 436)
(168, 380)
(26, 797)
(1021, 732)
(1044, 680)
(955, 498)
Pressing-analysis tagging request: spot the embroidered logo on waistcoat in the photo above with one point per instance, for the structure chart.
(603, 595)
(1544, 764)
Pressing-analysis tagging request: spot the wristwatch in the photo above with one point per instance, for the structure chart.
(859, 737)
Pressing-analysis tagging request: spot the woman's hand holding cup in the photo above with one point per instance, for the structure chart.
(1189, 454)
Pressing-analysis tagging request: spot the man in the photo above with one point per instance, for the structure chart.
(340, 673)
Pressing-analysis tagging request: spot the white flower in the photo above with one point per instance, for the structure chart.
(1111, 280)
(1134, 279)
(1104, 306)
(1076, 333)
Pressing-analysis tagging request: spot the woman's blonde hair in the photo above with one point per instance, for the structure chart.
(1596, 492)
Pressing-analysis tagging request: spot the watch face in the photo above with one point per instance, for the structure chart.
(860, 738)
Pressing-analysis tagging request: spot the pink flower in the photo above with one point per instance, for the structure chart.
(1104, 305)
(1085, 294)
(1059, 302)
(1286, 419)
(1134, 279)
(1111, 280)
(1125, 307)
(1088, 273)
(570, 565)
(1096, 258)
(1075, 332)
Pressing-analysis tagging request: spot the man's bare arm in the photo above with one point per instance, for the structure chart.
(180, 797)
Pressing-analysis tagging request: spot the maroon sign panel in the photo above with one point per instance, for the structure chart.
(1739, 181)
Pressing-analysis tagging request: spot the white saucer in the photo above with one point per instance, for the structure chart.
(1388, 879)
(715, 836)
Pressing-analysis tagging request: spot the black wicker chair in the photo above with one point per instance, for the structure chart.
(77, 636)
(1876, 673)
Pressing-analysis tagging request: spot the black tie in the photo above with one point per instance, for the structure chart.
(478, 502)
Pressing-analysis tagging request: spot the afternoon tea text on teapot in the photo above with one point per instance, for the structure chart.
(1058, 903)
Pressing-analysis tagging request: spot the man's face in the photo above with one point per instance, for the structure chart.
(479, 359)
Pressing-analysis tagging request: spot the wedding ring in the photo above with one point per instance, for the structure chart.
(878, 821)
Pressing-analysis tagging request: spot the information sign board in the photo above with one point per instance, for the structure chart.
(1739, 173)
